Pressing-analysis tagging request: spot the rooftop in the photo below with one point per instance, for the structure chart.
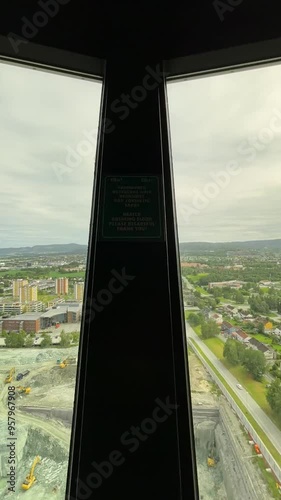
(25, 316)
(261, 347)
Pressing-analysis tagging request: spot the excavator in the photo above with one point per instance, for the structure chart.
(9, 377)
(23, 390)
(212, 460)
(30, 478)
(67, 361)
(64, 363)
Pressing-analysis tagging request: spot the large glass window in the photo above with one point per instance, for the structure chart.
(48, 132)
(226, 136)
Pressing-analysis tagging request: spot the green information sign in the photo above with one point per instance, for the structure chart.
(131, 208)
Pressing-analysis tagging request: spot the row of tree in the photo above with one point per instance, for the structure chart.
(254, 361)
(209, 328)
(228, 293)
(274, 396)
(21, 339)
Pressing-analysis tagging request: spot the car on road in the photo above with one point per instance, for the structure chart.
(239, 386)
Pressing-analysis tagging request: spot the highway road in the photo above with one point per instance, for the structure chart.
(273, 433)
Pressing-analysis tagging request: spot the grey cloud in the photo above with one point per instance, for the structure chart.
(210, 118)
(41, 115)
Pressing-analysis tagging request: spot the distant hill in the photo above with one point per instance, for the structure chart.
(256, 245)
(70, 248)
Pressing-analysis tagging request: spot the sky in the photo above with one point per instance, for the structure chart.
(45, 193)
(226, 149)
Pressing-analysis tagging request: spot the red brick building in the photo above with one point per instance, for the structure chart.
(27, 322)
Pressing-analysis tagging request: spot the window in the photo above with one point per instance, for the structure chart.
(48, 139)
(225, 134)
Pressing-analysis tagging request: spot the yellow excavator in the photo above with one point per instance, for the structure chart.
(64, 363)
(68, 361)
(212, 460)
(23, 390)
(9, 377)
(30, 478)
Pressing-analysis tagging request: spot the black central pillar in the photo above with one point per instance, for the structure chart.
(132, 423)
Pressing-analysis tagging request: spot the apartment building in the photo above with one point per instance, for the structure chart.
(28, 293)
(17, 285)
(36, 306)
(79, 291)
(11, 308)
(61, 286)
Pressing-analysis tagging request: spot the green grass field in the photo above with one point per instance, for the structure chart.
(261, 338)
(201, 290)
(77, 274)
(194, 278)
(256, 389)
(216, 345)
(45, 273)
(46, 297)
(228, 301)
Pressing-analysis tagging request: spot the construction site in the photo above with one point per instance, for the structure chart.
(226, 459)
(42, 407)
(39, 409)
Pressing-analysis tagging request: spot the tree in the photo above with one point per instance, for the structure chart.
(29, 341)
(14, 339)
(230, 352)
(76, 336)
(239, 297)
(274, 396)
(3, 334)
(65, 339)
(47, 340)
(241, 349)
(209, 329)
(255, 363)
(195, 319)
(260, 328)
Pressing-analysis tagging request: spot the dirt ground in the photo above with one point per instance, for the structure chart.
(203, 390)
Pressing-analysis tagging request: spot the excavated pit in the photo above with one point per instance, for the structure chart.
(42, 417)
(211, 481)
(50, 473)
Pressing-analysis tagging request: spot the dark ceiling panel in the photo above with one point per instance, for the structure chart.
(159, 29)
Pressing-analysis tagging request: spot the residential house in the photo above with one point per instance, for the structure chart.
(268, 352)
(265, 283)
(227, 328)
(231, 310)
(242, 336)
(247, 317)
(216, 317)
(277, 332)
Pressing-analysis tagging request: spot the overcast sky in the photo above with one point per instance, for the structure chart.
(44, 199)
(213, 121)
